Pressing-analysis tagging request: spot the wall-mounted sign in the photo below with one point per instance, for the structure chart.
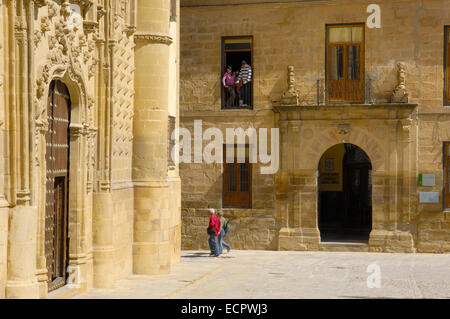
(329, 164)
(427, 180)
(329, 178)
(428, 197)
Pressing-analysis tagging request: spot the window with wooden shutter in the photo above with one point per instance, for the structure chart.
(447, 175)
(345, 63)
(447, 66)
(237, 179)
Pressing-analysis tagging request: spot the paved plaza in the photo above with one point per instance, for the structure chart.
(282, 274)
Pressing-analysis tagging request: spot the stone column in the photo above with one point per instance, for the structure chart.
(151, 247)
(22, 281)
(103, 240)
(4, 210)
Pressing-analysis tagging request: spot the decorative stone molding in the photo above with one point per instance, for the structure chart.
(76, 130)
(23, 196)
(152, 38)
(400, 95)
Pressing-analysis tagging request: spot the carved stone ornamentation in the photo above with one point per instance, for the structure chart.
(129, 30)
(84, 4)
(343, 132)
(400, 95)
(89, 26)
(39, 3)
(52, 9)
(152, 38)
(290, 97)
(45, 24)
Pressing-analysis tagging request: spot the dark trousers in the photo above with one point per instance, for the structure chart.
(230, 95)
(245, 94)
(213, 243)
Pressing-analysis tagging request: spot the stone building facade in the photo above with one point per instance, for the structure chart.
(88, 93)
(387, 133)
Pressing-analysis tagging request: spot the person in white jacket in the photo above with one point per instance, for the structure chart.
(245, 77)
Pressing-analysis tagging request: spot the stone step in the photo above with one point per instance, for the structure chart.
(343, 247)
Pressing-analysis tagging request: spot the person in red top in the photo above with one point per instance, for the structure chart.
(213, 231)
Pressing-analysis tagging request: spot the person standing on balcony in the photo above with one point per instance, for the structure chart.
(245, 77)
(213, 231)
(228, 81)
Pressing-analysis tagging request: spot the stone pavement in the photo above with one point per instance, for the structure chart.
(287, 274)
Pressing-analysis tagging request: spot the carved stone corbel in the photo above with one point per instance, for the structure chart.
(129, 30)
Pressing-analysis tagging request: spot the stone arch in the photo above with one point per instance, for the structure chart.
(74, 82)
(344, 189)
(79, 136)
(325, 138)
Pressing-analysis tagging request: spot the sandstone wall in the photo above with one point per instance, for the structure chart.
(293, 33)
(123, 232)
(90, 46)
(4, 210)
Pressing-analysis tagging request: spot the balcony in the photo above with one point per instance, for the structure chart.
(238, 96)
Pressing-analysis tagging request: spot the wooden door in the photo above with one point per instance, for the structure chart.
(57, 184)
(237, 182)
(345, 64)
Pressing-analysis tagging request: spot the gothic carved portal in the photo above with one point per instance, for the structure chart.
(57, 183)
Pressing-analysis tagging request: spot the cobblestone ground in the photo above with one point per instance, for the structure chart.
(275, 274)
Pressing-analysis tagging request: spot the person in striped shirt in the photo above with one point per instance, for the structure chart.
(245, 77)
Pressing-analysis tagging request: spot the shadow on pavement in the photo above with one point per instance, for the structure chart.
(362, 297)
(204, 255)
(196, 255)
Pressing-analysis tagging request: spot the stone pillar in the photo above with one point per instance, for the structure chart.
(4, 210)
(102, 229)
(21, 281)
(151, 247)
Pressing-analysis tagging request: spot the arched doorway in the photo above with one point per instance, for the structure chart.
(345, 194)
(57, 184)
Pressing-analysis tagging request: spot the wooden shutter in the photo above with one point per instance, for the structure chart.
(345, 63)
(237, 182)
(447, 174)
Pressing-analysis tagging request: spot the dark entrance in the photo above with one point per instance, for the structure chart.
(57, 184)
(345, 214)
